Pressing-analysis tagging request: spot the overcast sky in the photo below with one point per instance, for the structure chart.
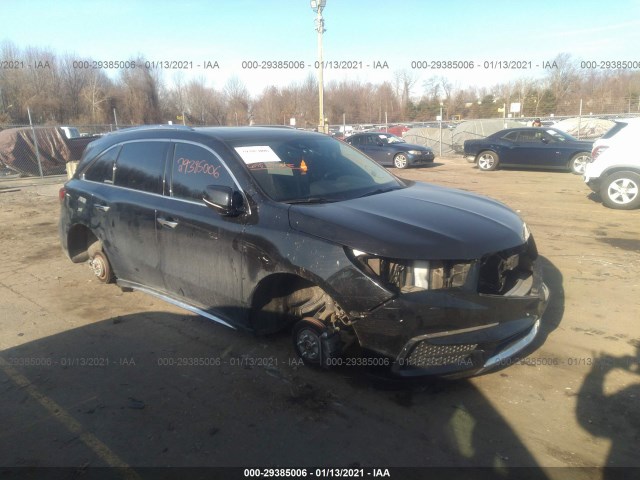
(393, 32)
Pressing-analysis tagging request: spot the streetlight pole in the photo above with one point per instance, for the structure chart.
(318, 6)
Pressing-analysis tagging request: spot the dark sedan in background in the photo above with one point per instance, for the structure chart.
(533, 147)
(390, 150)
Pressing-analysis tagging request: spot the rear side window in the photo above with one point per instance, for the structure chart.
(511, 136)
(528, 136)
(615, 129)
(101, 170)
(140, 166)
(193, 169)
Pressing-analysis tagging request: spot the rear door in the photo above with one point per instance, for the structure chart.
(200, 250)
(130, 209)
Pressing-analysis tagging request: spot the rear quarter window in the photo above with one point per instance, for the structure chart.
(101, 170)
(511, 136)
(615, 129)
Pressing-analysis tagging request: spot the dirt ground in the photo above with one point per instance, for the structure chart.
(92, 376)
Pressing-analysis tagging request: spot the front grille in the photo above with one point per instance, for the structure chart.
(426, 354)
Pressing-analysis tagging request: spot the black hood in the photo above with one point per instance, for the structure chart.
(421, 221)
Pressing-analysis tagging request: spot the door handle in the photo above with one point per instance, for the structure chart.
(102, 208)
(167, 223)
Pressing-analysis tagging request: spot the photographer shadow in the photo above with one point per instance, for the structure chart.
(614, 416)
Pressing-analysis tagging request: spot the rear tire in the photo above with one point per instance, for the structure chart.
(578, 162)
(488, 161)
(621, 191)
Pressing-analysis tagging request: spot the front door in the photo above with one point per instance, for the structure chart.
(533, 150)
(200, 250)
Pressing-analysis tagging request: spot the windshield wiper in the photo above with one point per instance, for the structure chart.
(379, 190)
(309, 200)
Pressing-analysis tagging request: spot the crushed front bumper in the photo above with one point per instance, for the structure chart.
(453, 333)
(428, 355)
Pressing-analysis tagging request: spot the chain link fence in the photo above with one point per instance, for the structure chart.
(28, 150)
(448, 138)
(48, 150)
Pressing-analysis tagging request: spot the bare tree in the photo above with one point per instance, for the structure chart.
(12, 84)
(203, 105)
(404, 81)
(269, 108)
(138, 91)
(238, 101)
(387, 103)
(73, 81)
(42, 89)
(94, 94)
(563, 79)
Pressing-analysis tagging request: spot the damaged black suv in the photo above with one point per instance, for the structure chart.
(261, 228)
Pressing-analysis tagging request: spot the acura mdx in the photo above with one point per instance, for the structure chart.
(264, 228)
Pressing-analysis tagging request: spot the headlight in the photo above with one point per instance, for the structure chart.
(525, 232)
(415, 152)
(411, 275)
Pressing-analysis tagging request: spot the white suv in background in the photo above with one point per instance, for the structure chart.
(614, 170)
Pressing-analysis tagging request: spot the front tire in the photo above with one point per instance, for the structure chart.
(621, 191)
(578, 163)
(488, 161)
(400, 161)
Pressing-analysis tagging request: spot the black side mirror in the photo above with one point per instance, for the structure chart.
(224, 200)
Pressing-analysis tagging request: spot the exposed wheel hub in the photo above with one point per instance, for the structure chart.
(309, 345)
(97, 266)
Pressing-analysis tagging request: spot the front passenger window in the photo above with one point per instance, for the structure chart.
(193, 169)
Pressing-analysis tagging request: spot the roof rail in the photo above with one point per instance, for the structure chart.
(163, 126)
(273, 126)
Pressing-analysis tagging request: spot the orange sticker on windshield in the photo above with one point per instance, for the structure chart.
(303, 167)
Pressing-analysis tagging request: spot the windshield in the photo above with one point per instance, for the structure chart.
(313, 169)
(560, 136)
(390, 138)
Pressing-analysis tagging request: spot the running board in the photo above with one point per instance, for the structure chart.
(177, 303)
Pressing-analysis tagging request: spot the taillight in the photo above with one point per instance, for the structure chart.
(61, 193)
(597, 151)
